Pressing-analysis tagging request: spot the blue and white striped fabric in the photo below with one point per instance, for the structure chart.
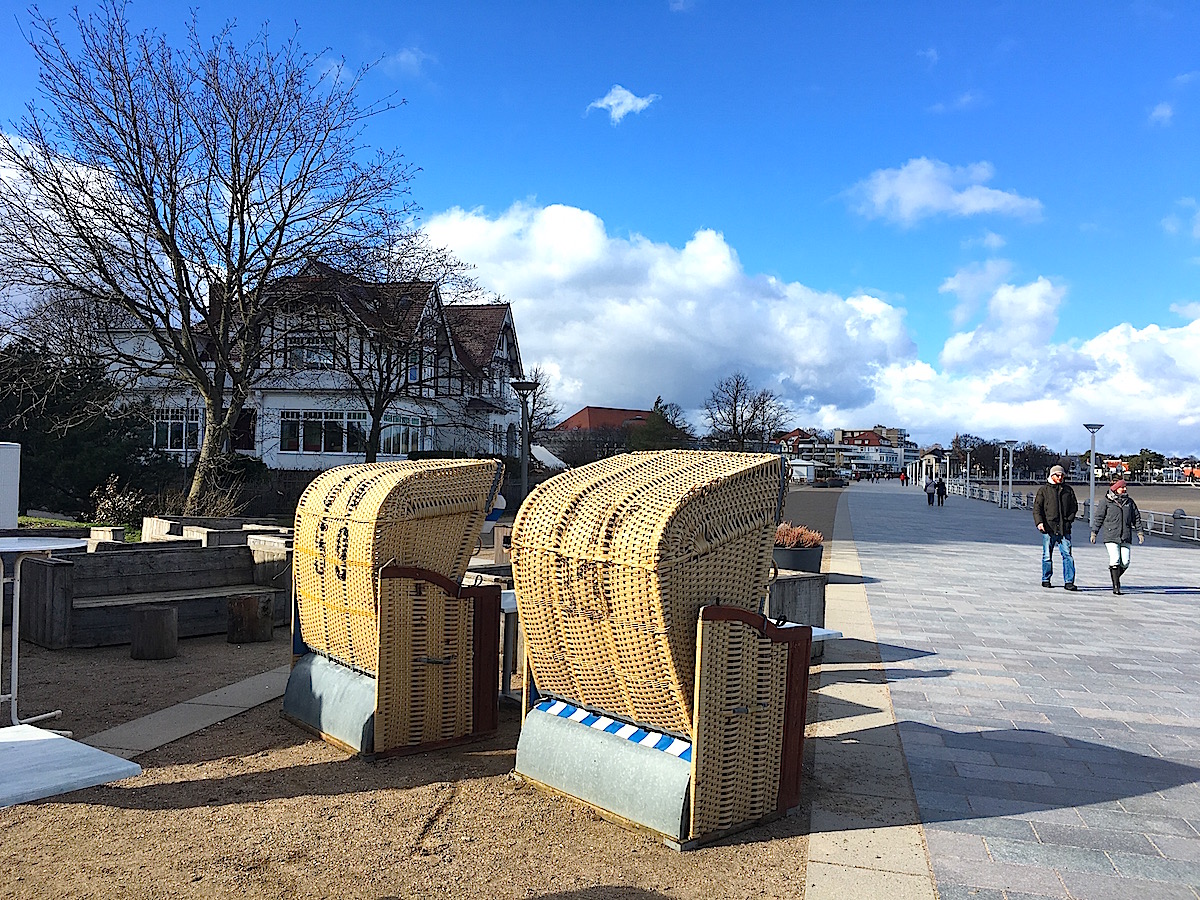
(651, 739)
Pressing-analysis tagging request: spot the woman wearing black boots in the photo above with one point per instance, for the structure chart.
(1118, 521)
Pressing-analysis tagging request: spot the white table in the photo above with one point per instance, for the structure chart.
(25, 547)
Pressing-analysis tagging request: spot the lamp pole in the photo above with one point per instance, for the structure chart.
(524, 389)
(967, 479)
(1093, 428)
(1011, 445)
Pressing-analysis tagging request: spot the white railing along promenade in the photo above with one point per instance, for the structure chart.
(1168, 525)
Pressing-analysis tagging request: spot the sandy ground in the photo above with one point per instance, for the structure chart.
(255, 807)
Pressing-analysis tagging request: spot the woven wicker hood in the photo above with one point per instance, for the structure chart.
(612, 562)
(354, 519)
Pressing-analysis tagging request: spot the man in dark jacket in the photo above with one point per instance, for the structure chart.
(1054, 510)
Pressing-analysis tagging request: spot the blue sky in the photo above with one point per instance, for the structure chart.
(946, 217)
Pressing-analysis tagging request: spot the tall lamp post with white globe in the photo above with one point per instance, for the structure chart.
(1093, 428)
(524, 389)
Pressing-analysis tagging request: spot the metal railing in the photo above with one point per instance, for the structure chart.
(1172, 526)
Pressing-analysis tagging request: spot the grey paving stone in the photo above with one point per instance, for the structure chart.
(1073, 715)
(1171, 870)
(1096, 838)
(947, 891)
(1056, 856)
(1086, 886)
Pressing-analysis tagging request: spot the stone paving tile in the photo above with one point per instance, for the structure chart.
(1170, 870)
(1096, 838)
(1085, 886)
(1037, 880)
(995, 826)
(1076, 716)
(1056, 856)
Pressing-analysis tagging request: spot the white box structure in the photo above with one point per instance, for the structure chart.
(10, 483)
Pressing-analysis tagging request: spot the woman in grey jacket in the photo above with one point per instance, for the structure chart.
(1119, 520)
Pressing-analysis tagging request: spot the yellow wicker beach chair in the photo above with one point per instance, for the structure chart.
(390, 652)
(655, 690)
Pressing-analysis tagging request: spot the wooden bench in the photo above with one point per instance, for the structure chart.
(85, 599)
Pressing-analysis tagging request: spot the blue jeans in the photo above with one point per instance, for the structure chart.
(1064, 548)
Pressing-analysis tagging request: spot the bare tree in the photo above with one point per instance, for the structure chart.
(168, 187)
(741, 415)
(543, 408)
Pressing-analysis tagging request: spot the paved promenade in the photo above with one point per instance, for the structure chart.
(1052, 738)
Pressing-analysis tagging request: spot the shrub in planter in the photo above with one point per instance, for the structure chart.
(797, 548)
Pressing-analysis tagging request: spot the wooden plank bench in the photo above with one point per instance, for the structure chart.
(84, 600)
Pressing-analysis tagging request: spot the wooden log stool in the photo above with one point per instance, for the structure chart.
(251, 618)
(154, 632)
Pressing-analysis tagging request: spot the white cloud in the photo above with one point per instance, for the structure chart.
(1186, 78)
(619, 102)
(409, 61)
(628, 319)
(1162, 114)
(1176, 222)
(964, 101)
(620, 320)
(928, 187)
(930, 56)
(971, 284)
(1019, 322)
(989, 240)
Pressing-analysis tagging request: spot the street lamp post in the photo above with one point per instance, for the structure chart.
(1011, 445)
(524, 389)
(1093, 428)
(967, 479)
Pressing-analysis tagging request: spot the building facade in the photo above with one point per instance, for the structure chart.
(341, 353)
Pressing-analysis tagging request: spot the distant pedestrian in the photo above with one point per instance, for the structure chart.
(1054, 510)
(930, 489)
(941, 490)
(903, 479)
(1118, 521)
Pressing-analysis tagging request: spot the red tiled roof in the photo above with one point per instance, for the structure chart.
(604, 417)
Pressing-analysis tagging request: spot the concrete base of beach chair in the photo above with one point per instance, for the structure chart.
(740, 766)
(341, 705)
(333, 702)
(634, 785)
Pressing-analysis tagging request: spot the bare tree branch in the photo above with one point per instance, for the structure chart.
(174, 185)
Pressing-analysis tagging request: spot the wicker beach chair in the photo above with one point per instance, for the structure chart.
(390, 652)
(654, 689)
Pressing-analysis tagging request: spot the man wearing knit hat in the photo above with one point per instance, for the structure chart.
(1054, 510)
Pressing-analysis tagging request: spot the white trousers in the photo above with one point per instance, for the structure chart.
(1118, 554)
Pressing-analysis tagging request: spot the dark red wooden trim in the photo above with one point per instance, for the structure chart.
(485, 609)
(791, 765)
(450, 587)
(780, 634)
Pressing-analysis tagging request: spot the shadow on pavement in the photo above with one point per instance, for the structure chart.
(838, 578)
(958, 777)
(858, 650)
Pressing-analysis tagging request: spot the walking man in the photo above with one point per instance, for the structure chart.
(1054, 510)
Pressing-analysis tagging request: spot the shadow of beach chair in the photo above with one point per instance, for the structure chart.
(655, 691)
(391, 653)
